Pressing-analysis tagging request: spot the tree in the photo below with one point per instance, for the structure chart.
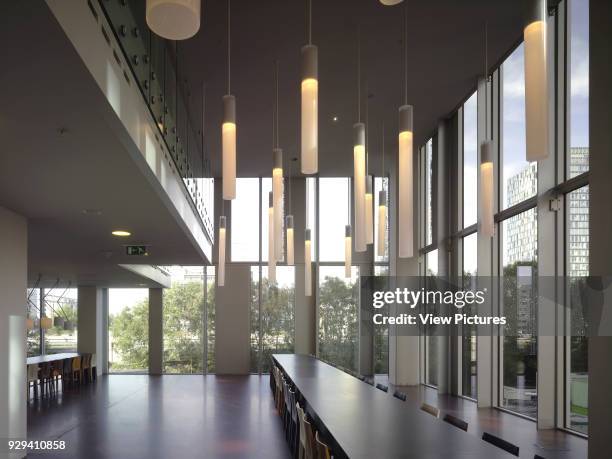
(130, 337)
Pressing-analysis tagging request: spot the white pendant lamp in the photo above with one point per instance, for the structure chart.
(46, 322)
(307, 263)
(310, 103)
(382, 208)
(228, 130)
(405, 165)
(347, 251)
(221, 257)
(391, 2)
(487, 226)
(536, 82)
(369, 211)
(289, 224)
(359, 186)
(29, 323)
(487, 190)
(271, 252)
(173, 19)
(277, 192)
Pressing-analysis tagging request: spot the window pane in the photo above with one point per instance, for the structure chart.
(470, 158)
(381, 184)
(519, 176)
(577, 262)
(210, 316)
(128, 330)
(254, 338)
(578, 58)
(61, 306)
(519, 277)
(381, 334)
(311, 208)
(333, 217)
(183, 310)
(338, 313)
(33, 334)
(266, 187)
(245, 220)
(431, 341)
(428, 191)
(468, 339)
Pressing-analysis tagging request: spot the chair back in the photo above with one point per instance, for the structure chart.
(400, 395)
(456, 421)
(92, 360)
(430, 409)
(301, 419)
(323, 451)
(76, 363)
(292, 401)
(310, 450)
(67, 366)
(86, 361)
(32, 372)
(45, 370)
(382, 387)
(501, 443)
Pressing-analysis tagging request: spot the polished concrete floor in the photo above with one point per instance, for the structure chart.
(134, 416)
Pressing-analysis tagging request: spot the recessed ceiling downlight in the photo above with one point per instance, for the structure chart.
(390, 2)
(121, 233)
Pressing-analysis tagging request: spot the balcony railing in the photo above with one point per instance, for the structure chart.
(153, 63)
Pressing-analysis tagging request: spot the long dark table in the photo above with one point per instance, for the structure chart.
(366, 422)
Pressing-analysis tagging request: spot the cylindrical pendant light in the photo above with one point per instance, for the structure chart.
(347, 251)
(307, 263)
(359, 186)
(406, 183)
(310, 103)
(29, 323)
(228, 130)
(46, 322)
(382, 220)
(487, 226)
(290, 248)
(173, 19)
(221, 258)
(271, 251)
(277, 192)
(536, 83)
(369, 210)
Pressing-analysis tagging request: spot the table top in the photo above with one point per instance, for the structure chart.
(50, 358)
(367, 422)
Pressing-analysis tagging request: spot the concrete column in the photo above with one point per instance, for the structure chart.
(600, 224)
(91, 310)
(13, 285)
(441, 236)
(156, 331)
(403, 350)
(305, 323)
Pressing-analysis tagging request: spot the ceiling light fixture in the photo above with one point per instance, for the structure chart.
(536, 83)
(405, 164)
(307, 262)
(382, 207)
(369, 210)
(391, 2)
(359, 180)
(228, 130)
(121, 233)
(221, 256)
(277, 176)
(310, 103)
(487, 223)
(348, 243)
(289, 224)
(173, 19)
(271, 252)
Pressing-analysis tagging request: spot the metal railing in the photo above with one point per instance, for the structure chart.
(153, 63)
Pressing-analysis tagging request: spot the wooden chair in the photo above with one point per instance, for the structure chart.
(323, 451)
(456, 421)
(33, 380)
(66, 373)
(86, 367)
(46, 378)
(76, 369)
(306, 448)
(430, 409)
(501, 443)
(382, 387)
(400, 395)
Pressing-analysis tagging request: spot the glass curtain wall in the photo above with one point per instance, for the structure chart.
(210, 286)
(33, 332)
(468, 338)
(128, 330)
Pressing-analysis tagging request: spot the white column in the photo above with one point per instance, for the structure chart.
(13, 285)
(156, 331)
(600, 224)
(91, 337)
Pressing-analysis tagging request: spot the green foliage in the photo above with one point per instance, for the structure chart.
(130, 337)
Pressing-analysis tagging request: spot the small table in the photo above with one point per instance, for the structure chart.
(50, 358)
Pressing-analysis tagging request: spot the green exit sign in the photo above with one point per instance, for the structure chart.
(136, 250)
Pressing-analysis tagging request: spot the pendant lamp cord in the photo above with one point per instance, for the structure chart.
(359, 75)
(486, 77)
(229, 56)
(367, 129)
(406, 53)
(382, 172)
(276, 101)
(309, 26)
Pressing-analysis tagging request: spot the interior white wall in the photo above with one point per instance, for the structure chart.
(13, 285)
(156, 331)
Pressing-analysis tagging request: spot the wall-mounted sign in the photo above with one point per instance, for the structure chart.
(136, 250)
